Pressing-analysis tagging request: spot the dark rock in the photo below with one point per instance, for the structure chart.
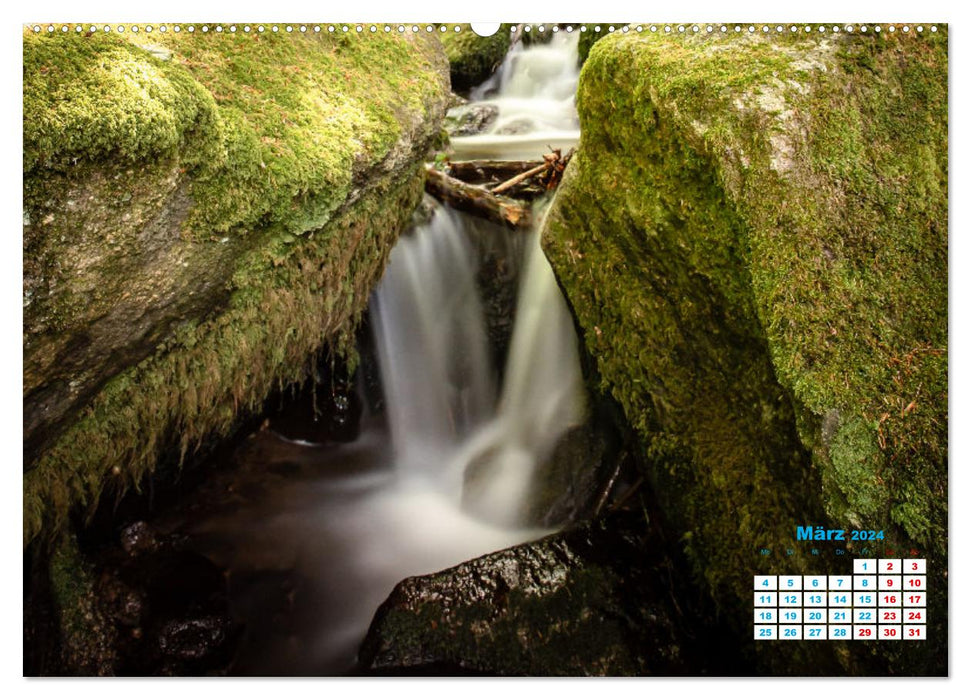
(193, 639)
(598, 600)
(138, 538)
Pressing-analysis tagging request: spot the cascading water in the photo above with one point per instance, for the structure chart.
(350, 521)
(533, 91)
(431, 344)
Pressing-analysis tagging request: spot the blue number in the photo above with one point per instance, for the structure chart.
(765, 633)
(839, 633)
(865, 615)
(814, 632)
(790, 633)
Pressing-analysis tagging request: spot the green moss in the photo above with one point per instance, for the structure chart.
(299, 184)
(753, 236)
(294, 299)
(473, 58)
(86, 643)
(268, 124)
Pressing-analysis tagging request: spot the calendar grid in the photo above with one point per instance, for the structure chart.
(882, 599)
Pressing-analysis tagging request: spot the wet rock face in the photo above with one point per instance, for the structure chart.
(593, 601)
(168, 606)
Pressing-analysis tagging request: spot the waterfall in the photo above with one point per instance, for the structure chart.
(534, 93)
(430, 330)
(444, 474)
(431, 343)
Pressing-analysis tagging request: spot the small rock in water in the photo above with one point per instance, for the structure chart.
(471, 120)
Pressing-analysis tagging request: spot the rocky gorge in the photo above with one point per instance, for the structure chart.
(751, 245)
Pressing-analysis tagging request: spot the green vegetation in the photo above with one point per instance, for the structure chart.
(269, 124)
(299, 155)
(753, 236)
(473, 58)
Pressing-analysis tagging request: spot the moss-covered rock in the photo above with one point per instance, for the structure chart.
(204, 213)
(473, 58)
(753, 237)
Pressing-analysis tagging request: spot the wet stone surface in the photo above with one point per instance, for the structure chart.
(597, 600)
(168, 605)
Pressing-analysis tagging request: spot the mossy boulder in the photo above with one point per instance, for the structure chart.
(753, 239)
(205, 213)
(473, 58)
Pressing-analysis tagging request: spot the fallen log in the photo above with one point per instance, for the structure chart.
(475, 200)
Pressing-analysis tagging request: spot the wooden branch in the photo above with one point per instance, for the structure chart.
(475, 200)
(519, 178)
(479, 171)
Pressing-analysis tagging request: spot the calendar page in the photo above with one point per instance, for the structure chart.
(377, 346)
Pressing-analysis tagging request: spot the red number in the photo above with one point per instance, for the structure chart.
(913, 567)
(915, 599)
(889, 566)
(890, 632)
(915, 582)
(913, 632)
(865, 632)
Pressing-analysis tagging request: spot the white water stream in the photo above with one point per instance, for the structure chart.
(454, 482)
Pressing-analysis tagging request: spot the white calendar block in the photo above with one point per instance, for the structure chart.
(840, 583)
(889, 583)
(815, 617)
(915, 616)
(841, 631)
(814, 583)
(790, 599)
(864, 600)
(840, 616)
(766, 616)
(915, 600)
(915, 583)
(766, 599)
(814, 631)
(765, 583)
(840, 599)
(766, 632)
(891, 616)
(864, 631)
(790, 617)
(915, 632)
(864, 583)
(915, 566)
(790, 583)
(889, 632)
(889, 566)
(791, 632)
(889, 599)
(864, 616)
(814, 600)
(864, 566)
